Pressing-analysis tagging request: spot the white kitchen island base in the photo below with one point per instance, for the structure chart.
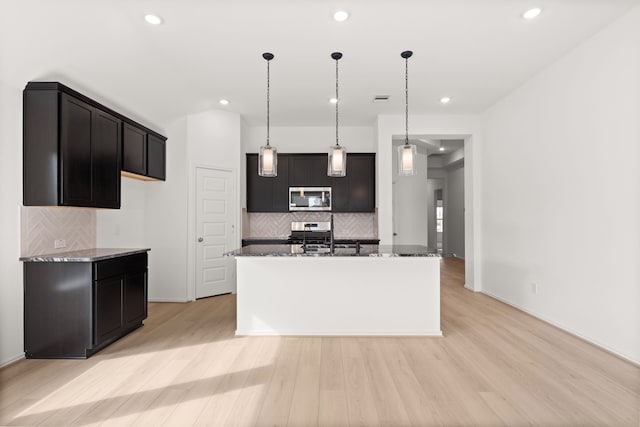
(331, 295)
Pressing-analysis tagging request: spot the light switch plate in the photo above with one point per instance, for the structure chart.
(59, 243)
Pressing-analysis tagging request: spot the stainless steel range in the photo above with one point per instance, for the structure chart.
(316, 237)
(310, 232)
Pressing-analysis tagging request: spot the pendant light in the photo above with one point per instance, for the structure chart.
(407, 153)
(268, 157)
(337, 164)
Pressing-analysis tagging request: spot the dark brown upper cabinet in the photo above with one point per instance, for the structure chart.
(267, 194)
(134, 150)
(143, 154)
(308, 170)
(360, 184)
(355, 192)
(71, 149)
(156, 157)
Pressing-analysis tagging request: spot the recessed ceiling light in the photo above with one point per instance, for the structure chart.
(153, 19)
(532, 13)
(441, 149)
(341, 15)
(224, 102)
(333, 100)
(445, 100)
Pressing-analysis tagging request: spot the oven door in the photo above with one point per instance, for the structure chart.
(309, 198)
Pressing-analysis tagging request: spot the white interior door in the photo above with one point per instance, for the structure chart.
(215, 232)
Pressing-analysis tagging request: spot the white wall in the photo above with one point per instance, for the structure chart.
(556, 214)
(436, 127)
(160, 215)
(124, 227)
(166, 222)
(153, 215)
(310, 139)
(454, 211)
(11, 301)
(213, 141)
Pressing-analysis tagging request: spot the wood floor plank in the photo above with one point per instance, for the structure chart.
(333, 401)
(277, 403)
(306, 392)
(495, 366)
(390, 407)
(360, 402)
(246, 409)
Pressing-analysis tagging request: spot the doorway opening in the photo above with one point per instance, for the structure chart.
(429, 207)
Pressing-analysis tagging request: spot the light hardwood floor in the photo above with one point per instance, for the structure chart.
(495, 366)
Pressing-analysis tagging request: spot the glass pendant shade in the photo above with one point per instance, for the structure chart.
(337, 160)
(268, 161)
(337, 164)
(407, 156)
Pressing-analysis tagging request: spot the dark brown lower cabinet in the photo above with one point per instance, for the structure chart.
(74, 309)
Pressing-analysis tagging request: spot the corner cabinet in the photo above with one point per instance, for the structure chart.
(74, 309)
(71, 150)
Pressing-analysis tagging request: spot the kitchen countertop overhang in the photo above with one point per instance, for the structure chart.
(365, 251)
(85, 255)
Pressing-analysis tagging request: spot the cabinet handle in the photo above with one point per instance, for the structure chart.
(200, 239)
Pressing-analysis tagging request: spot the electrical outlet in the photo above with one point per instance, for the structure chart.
(59, 243)
(534, 288)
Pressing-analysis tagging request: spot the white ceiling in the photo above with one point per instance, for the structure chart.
(475, 51)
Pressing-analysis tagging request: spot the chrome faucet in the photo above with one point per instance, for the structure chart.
(331, 244)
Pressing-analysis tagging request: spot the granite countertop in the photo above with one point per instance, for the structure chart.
(365, 250)
(85, 255)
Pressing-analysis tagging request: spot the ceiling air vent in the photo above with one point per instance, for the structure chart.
(381, 98)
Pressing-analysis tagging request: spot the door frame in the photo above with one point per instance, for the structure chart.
(192, 213)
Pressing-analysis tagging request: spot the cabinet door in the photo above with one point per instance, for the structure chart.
(134, 150)
(76, 159)
(156, 155)
(361, 171)
(108, 308)
(267, 194)
(106, 144)
(340, 191)
(308, 170)
(135, 298)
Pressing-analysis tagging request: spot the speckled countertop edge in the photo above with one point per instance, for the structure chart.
(365, 251)
(85, 255)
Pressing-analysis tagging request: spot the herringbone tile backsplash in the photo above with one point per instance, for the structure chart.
(278, 225)
(41, 226)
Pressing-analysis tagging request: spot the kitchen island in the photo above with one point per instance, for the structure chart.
(369, 290)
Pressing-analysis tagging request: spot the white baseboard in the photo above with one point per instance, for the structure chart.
(333, 334)
(151, 299)
(471, 289)
(11, 360)
(565, 329)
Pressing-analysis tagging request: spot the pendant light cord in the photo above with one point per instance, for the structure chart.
(406, 103)
(268, 99)
(337, 102)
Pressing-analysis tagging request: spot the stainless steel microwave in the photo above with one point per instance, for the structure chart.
(309, 198)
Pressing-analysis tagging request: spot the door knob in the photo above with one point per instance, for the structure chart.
(200, 239)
